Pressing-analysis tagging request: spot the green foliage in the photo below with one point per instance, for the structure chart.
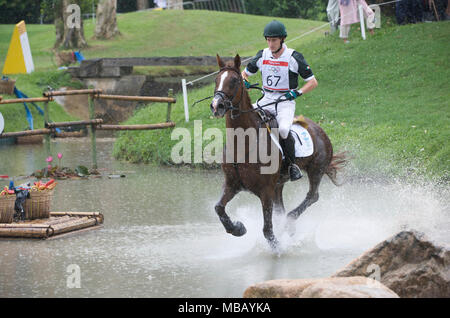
(14, 11)
(305, 9)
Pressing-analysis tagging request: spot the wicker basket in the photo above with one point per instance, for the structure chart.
(7, 87)
(38, 205)
(7, 208)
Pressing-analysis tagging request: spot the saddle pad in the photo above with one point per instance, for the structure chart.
(304, 146)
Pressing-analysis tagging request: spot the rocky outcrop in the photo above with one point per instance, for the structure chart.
(407, 263)
(335, 287)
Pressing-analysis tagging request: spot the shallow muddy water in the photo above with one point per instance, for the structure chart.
(161, 237)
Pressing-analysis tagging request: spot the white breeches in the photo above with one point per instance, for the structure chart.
(285, 113)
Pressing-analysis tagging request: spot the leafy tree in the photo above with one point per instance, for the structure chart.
(13, 11)
(305, 9)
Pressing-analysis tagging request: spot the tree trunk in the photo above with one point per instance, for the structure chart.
(142, 4)
(106, 25)
(68, 26)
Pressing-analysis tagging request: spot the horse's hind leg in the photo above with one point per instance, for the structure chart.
(234, 228)
(311, 197)
(278, 204)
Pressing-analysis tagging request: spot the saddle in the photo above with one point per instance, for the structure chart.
(303, 143)
(267, 119)
(271, 122)
(301, 121)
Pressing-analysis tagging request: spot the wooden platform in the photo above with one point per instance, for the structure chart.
(57, 225)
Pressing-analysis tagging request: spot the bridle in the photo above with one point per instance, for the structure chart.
(228, 100)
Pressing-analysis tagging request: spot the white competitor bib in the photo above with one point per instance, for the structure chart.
(275, 72)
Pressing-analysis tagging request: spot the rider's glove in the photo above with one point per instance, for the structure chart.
(293, 94)
(247, 84)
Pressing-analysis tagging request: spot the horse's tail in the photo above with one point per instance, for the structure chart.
(337, 163)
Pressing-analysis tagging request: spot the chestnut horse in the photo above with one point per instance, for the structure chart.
(231, 99)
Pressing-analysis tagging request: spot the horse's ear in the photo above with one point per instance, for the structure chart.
(219, 61)
(237, 62)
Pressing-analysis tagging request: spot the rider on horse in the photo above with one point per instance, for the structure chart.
(280, 67)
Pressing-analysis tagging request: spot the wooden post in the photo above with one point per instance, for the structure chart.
(169, 105)
(93, 137)
(47, 136)
(361, 21)
(185, 99)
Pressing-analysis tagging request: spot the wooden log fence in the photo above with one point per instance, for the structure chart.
(93, 123)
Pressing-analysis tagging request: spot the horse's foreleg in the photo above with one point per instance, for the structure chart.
(234, 228)
(267, 206)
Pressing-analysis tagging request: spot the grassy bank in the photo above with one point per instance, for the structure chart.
(386, 100)
(162, 33)
(146, 33)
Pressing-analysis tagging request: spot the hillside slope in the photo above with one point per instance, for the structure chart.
(145, 33)
(386, 100)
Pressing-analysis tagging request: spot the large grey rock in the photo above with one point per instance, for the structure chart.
(335, 287)
(408, 263)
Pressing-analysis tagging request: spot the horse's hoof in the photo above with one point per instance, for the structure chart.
(238, 229)
(290, 227)
(274, 245)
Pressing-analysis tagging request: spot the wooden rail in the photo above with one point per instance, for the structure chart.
(43, 131)
(96, 121)
(26, 100)
(138, 98)
(73, 92)
(136, 127)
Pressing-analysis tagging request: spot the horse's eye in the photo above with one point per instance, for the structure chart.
(233, 82)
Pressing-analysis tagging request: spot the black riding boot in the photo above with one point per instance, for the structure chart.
(288, 146)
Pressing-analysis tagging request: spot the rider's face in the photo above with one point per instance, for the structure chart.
(273, 43)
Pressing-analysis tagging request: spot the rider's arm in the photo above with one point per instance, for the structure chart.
(309, 86)
(253, 66)
(299, 66)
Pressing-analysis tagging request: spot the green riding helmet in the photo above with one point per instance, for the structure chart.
(275, 29)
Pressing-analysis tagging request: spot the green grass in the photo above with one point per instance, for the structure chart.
(386, 100)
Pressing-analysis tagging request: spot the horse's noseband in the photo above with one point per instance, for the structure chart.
(227, 102)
